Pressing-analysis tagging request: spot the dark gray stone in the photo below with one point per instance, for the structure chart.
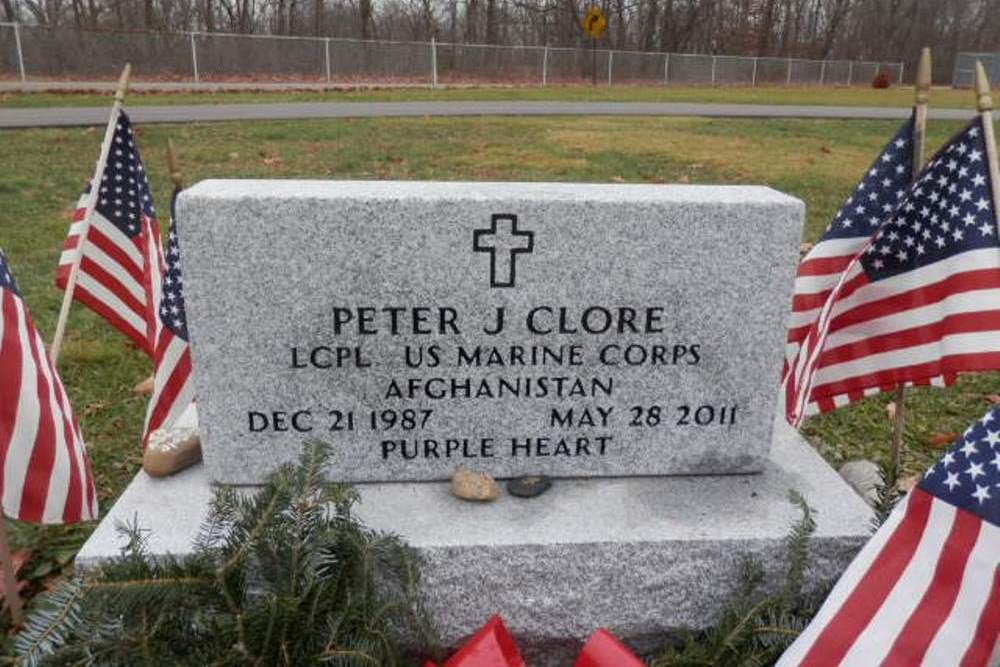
(528, 486)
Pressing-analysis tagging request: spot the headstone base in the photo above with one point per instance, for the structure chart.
(639, 556)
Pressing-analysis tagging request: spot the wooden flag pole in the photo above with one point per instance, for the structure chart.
(922, 94)
(175, 169)
(984, 104)
(95, 186)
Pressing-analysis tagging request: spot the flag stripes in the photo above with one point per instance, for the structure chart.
(874, 198)
(173, 388)
(920, 301)
(922, 593)
(46, 476)
(173, 384)
(116, 239)
(924, 590)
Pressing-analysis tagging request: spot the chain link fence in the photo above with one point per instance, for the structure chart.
(32, 52)
(964, 74)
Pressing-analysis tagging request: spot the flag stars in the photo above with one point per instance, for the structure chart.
(981, 494)
(969, 448)
(951, 481)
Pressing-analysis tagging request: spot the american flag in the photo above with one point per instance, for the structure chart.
(44, 470)
(122, 259)
(925, 590)
(872, 201)
(173, 385)
(921, 302)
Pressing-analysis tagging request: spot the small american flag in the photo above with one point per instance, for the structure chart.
(122, 259)
(173, 385)
(44, 469)
(925, 590)
(873, 200)
(921, 302)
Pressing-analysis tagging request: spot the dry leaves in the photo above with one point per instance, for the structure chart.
(942, 440)
(18, 560)
(805, 248)
(144, 388)
(993, 399)
(91, 409)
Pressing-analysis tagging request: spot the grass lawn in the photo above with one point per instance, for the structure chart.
(808, 95)
(818, 161)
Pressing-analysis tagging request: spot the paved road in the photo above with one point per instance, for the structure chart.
(71, 116)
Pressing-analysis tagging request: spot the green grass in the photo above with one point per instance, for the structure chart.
(818, 161)
(854, 96)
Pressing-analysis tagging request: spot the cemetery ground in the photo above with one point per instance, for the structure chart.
(817, 161)
(767, 95)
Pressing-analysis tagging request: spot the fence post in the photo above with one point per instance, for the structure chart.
(326, 48)
(753, 81)
(902, 65)
(713, 70)
(850, 72)
(434, 63)
(666, 69)
(788, 78)
(194, 58)
(822, 72)
(20, 53)
(545, 67)
(611, 59)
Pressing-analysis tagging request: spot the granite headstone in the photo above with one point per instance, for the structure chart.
(514, 328)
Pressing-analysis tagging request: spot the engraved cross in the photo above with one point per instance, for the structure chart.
(504, 241)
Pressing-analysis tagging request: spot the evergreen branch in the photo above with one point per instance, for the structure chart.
(51, 622)
(287, 576)
(332, 655)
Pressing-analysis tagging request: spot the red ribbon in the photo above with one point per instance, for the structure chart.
(494, 646)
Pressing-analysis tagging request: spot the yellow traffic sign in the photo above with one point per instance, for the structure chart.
(595, 23)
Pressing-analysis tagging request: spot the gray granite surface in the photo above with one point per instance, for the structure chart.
(675, 299)
(640, 556)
